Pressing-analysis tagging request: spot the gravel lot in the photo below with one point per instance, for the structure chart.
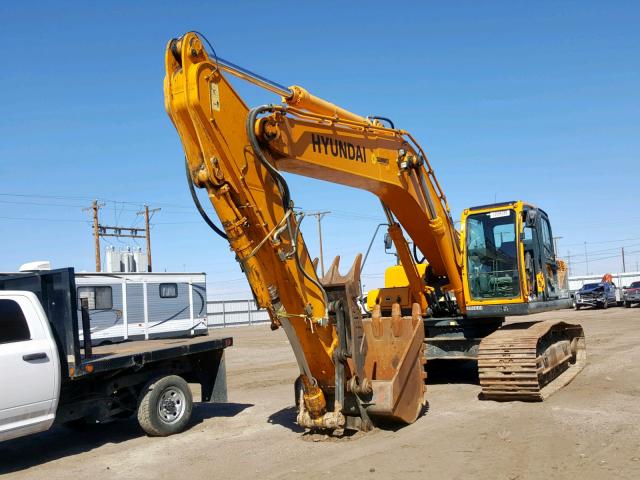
(588, 430)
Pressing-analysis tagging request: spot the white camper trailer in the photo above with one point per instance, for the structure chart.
(135, 306)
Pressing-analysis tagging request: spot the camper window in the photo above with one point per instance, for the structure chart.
(168, 290)
(98, 298)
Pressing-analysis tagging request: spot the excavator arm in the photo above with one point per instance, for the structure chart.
(349, 366)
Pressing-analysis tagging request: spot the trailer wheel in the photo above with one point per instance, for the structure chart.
(165, 406)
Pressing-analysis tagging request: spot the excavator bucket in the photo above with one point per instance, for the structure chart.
(386, 353)
(394, 362)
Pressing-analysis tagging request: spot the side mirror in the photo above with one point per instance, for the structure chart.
(388, 242)
(530, 220)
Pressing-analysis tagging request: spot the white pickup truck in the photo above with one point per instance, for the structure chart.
(47, 376)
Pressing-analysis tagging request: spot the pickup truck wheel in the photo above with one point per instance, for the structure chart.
(605, 304)
(577, 307)
(627, 304)
(165, 406)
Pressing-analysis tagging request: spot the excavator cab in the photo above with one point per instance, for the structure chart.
(509, 261)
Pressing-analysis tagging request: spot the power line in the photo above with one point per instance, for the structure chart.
(613, 248)
(80, 197)
(32, 219)
(338, 213)
(602, 241)
(40, 204)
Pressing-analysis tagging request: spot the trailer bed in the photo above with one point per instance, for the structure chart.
(138, 353)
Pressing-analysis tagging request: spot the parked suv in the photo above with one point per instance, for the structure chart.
(631, 294)
(600, 295)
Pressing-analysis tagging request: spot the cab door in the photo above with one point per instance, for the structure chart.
(549, 264)
(29, 370)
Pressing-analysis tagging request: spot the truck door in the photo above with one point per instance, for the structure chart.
(29, 370)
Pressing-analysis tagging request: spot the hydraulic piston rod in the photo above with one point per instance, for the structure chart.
(294, 96)
(252, 77)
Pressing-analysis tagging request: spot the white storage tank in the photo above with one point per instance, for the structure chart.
(140, 260)
(112, 260)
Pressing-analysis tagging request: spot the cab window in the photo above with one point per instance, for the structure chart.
(492, 255)
(13, 325)
(546, 235)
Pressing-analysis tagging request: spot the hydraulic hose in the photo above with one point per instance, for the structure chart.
(196, 201)
(384, 119)
(275, 174)
(306, 275)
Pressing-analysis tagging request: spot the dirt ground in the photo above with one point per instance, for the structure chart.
(588, 430)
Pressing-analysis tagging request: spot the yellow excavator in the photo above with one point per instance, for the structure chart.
(356, 368)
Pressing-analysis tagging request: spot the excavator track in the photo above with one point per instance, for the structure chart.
(530, 361)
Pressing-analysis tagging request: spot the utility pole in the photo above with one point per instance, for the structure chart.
(147, 217)
(569, 262)
(624, 267)
(95, 207)
(319, 216)
(117, 231)
(586, 257)
(555, 244)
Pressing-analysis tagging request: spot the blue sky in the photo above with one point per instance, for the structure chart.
(511, 100)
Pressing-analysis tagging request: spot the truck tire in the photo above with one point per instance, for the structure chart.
(605, 304)
(627, 304)
(165, 406)
(577, 307)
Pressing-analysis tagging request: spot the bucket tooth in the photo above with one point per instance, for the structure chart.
(376, 322)
(396, 320)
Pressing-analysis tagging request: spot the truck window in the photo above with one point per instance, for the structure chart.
(97, 298)
(13, 325)
(168, 290)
